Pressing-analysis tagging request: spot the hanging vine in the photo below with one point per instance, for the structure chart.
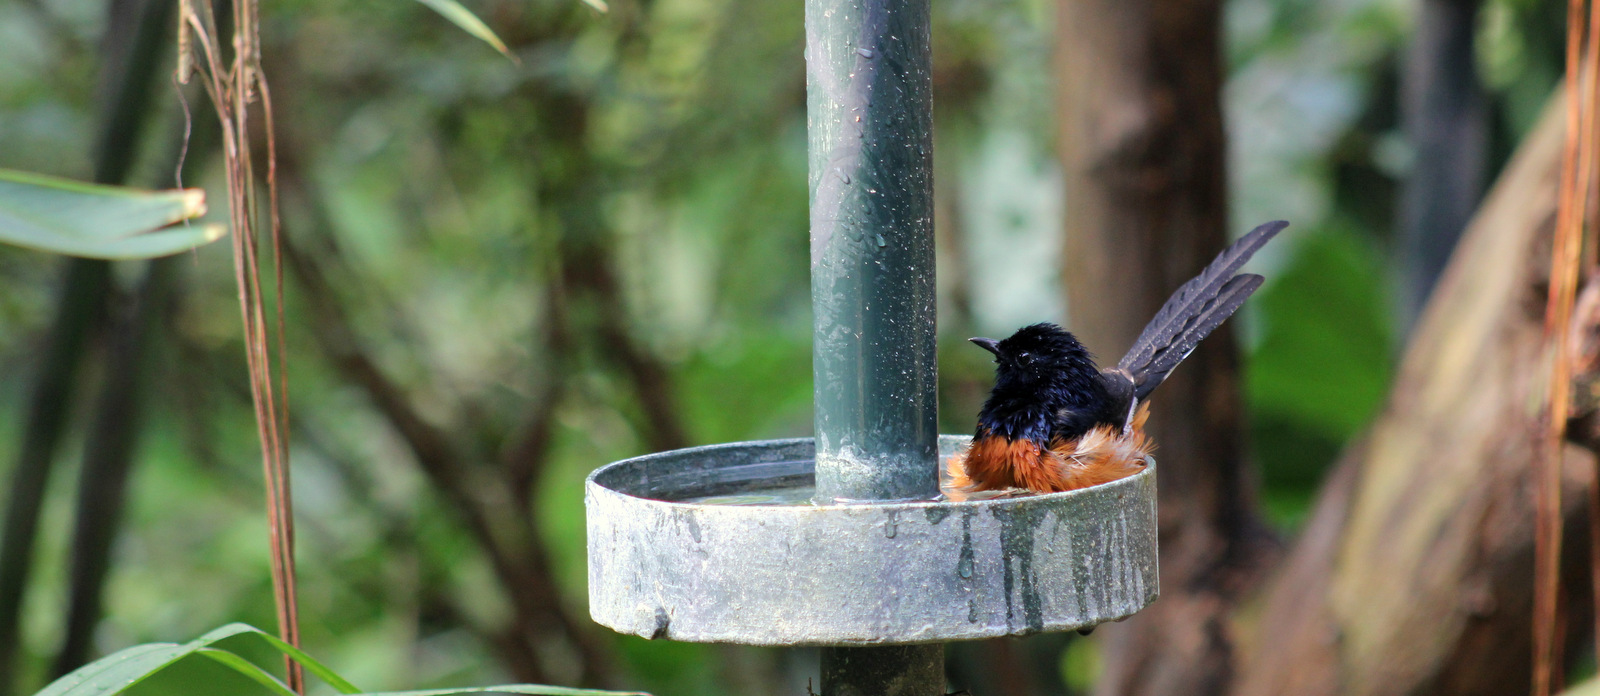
(238, 90)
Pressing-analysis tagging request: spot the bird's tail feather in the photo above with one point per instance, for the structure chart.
(1198, 307)
(1209, 316)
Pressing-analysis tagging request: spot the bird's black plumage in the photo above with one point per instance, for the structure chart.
(1047, 385)
(1048, 388)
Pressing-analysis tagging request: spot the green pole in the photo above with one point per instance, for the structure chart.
(869, 98)
(869, 101)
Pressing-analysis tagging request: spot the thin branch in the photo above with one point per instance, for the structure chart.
(512, 545)
(587, 266)
(525, 460)
(429, 445)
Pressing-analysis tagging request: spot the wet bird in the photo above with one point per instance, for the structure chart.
(1056, 421)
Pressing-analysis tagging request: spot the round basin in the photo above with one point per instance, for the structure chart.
(720, 544)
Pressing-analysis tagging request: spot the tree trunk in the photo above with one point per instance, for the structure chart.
(1414, 575)
(1144, 155)
(1445, 114)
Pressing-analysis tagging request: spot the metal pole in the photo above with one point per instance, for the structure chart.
(870, 108)
(869, 102)
(909, 670)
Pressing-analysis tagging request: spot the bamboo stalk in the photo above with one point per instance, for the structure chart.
(1566, 257)
(234, 88)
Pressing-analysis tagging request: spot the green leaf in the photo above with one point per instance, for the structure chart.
(197, 673)
(120, 671)
(115, 672)
(535, 689)
(249, 669)
(317, 668)
(462, 17)
(107, 222)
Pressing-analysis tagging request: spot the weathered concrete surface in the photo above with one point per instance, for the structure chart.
(879, 573)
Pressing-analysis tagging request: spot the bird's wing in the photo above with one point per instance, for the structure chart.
(1169, 337)
(1072, 423)
(1120, 400)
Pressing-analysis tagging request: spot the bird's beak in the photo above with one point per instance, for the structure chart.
(988, 344)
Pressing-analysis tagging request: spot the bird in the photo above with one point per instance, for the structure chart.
(1056, 421)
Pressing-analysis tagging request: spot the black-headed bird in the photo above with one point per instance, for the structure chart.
(1056, 421)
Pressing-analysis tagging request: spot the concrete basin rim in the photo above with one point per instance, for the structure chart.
(594, 487)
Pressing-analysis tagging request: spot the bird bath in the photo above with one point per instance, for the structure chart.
(791, 573)
(881, 574)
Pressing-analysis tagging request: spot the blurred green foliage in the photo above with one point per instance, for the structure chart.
(1321, 367)
(457, 203)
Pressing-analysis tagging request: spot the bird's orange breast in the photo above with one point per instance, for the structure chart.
(994, 462)
(1102, 455)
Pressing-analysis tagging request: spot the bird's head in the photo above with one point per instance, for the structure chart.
(1040, 357)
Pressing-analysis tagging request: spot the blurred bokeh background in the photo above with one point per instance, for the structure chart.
(504, 274)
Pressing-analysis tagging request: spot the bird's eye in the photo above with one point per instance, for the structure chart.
(1024, 358)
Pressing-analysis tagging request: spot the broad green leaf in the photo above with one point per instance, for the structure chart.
(118, 672)
(248, 669)
(198, 673)
(145, 246)
(115, 672)
(463, 17)
(108, 222)
(535, 689)
(317, 668)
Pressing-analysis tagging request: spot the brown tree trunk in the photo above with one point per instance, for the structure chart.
(1414, 575)
(1144, 154)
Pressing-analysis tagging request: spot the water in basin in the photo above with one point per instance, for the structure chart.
(788, 495)
(776, 483)
(795, 495)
